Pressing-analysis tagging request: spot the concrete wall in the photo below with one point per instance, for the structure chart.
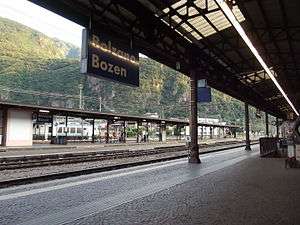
(19, 128)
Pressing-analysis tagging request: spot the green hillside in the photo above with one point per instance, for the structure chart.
(40, 70)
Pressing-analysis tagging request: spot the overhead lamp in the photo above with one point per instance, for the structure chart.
(44, 111)
(230, 16)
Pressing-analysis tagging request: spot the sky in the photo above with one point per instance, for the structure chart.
(40, 19)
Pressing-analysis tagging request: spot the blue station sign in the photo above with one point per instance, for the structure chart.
(203, 91)
(105, 57)
(204, 94)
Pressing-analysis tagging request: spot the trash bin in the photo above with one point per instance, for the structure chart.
(268, 145)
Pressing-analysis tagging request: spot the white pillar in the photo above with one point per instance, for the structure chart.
(19, 128)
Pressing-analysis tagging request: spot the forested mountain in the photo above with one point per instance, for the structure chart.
(40, 70)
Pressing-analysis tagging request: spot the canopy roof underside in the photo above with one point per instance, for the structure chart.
(197, 35)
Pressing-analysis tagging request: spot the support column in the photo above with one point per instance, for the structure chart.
(234, 132)
(4, 127)
(159, 133)
(163, 132)
(137, 133)
(248, 148)
(93, 131)
(52, 129)
(107, 132)
(66, 132)
(277, 128)
(177, 132)
(180, 127)
(147, 132)
(210, 132)
(194, 147)
(124, 130)
(267, 125)
(201, 135)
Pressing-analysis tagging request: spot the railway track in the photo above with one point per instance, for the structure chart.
(28, 178)
(11, 163)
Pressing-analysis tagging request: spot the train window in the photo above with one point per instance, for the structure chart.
(79, 130)
(72, 130)
(59, 130)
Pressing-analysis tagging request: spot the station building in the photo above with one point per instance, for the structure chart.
(21, 125)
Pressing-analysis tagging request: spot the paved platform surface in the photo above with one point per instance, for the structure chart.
(231, 187)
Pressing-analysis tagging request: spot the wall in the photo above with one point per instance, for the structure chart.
(19, 128)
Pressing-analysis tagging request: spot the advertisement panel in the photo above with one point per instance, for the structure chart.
(105, 57)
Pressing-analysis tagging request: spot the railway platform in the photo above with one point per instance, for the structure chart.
(39, 149)
(27, 166)
(231, 187)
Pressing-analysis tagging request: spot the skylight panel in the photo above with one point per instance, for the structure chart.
(202, 4)
(176, 19)
(178, 4)
(217, 18)
(186, 27)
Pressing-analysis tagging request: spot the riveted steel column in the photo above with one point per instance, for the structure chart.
(107, 131)
(277, 128)
(124, 130)
(201, 136)
(93, 131)
(137, 132)
(66, 132)
(194, 147)
(4, 126)
(52, 129)
(147, 132)
(267, 125)
(247, 127)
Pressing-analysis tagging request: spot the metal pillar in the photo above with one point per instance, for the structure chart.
(124, 130)
(194, 147)
(93, 132)
(234, 133)
(248, 148)
(159, 133)
(177, 132)
(107, 132)
(66, 132)
(180, 127)
(52, 128)
(210, 132)
(277, 128)
(162, 132)
(147, 132)
(267, 125)
(4, 127)
(137, 133)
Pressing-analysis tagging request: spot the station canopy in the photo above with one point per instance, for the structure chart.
(196, 35)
